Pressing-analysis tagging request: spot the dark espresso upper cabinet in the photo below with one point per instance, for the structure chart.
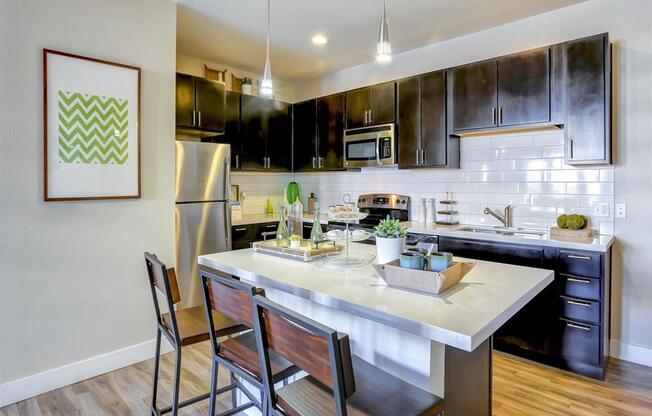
(371, 105)
(422, 131)
(330, 132)
(474, 95)
(279, 136)
(588, 107)
(185, 101)
(438, 149)
(524, 88)
(509, 91)
(253, 134)
(200, 103)
(232, 128)
(382, 104)
(408, 107)
(304, 124)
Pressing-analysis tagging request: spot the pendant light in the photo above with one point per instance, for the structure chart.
(383, 48)
(266, 84)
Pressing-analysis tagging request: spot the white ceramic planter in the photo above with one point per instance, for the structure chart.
(246, 89)
(389, 249)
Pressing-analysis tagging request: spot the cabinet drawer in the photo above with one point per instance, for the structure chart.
(580, 287)
(241, 232)
(240, 244)
(265, 228)
(579, 309)
(582, 263)
(580, 341)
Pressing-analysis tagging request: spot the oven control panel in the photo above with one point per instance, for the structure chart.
(388, 201)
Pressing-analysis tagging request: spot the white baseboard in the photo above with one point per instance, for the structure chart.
(631, 352)
(30, 386)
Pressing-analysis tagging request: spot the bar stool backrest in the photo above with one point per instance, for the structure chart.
(318, 350)
(165, 280)
(228, 296)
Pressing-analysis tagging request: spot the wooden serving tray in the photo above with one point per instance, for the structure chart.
(580, 236)
(305, 253)
(423, 280)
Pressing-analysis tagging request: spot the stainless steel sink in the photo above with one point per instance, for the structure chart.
(515, 231)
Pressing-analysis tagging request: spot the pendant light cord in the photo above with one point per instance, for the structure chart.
(268, 14)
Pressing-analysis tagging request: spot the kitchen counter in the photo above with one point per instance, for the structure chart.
(462, 317)
(600, 243)
(263, 218)
(439, 343)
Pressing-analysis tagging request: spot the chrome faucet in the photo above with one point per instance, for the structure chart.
(506, 218)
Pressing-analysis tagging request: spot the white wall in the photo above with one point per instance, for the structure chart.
(629, 23)
(186, 64)
(72, 277)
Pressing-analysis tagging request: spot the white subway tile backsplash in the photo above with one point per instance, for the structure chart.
(523, 170)
(475, 143)
(578, 175)
(549, 139)
(495, 165)
(490, 154)
(511, 141)
(538, 164)
(552, 151)
(590, 188)
(520, 153)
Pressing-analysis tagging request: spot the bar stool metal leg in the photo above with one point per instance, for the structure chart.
(157, 359)
(177, 383)
(213, 398)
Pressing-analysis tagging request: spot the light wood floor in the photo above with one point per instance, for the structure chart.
(520, 388)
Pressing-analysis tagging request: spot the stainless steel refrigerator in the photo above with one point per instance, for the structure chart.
(202, 210)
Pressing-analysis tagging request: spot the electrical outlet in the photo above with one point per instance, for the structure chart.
(601, 209)
(621, 210)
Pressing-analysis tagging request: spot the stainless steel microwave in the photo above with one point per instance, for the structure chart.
(370, 146)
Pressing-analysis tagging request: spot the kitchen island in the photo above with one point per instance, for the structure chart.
(440, 343)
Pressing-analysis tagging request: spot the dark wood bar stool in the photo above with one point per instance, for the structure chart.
(181, 327)
(338, 383)
(232, 298)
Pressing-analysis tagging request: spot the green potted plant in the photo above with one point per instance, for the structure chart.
(246, 85)
(390, 240)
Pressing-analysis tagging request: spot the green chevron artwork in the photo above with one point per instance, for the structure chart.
(92, 128)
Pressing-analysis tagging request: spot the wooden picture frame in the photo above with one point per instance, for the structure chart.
(91, 141)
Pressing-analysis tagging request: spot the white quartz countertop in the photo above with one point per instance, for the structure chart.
(599, 243)
(462, 317)
(262, 218)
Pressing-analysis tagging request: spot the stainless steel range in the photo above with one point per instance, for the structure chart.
(380, 206)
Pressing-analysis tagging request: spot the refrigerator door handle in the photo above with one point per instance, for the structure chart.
(227, 178)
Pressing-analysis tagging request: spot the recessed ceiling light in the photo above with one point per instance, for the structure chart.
(319, 40)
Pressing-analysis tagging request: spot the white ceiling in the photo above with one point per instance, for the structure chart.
(233, 32)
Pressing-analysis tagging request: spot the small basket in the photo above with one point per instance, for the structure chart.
(423, 280)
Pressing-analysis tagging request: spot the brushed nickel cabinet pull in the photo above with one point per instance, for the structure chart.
(500, 115)
(493, 115)
(199, 118)
(577, 257)
(576, 326)
(578, 303)
(423, 157)
(576, 280)
(314, 162)
(193, 117)
(418, 156)
(241, 229)
(320, 162)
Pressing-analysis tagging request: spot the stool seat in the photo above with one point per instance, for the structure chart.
(242, 351)
(377, 393)
(193, 327)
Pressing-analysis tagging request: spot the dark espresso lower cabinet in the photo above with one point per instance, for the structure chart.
(567, 324)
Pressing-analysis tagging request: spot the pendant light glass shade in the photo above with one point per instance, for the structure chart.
(383, 48)
(266, 86)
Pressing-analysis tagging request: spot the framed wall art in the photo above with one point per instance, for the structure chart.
(91, 128)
